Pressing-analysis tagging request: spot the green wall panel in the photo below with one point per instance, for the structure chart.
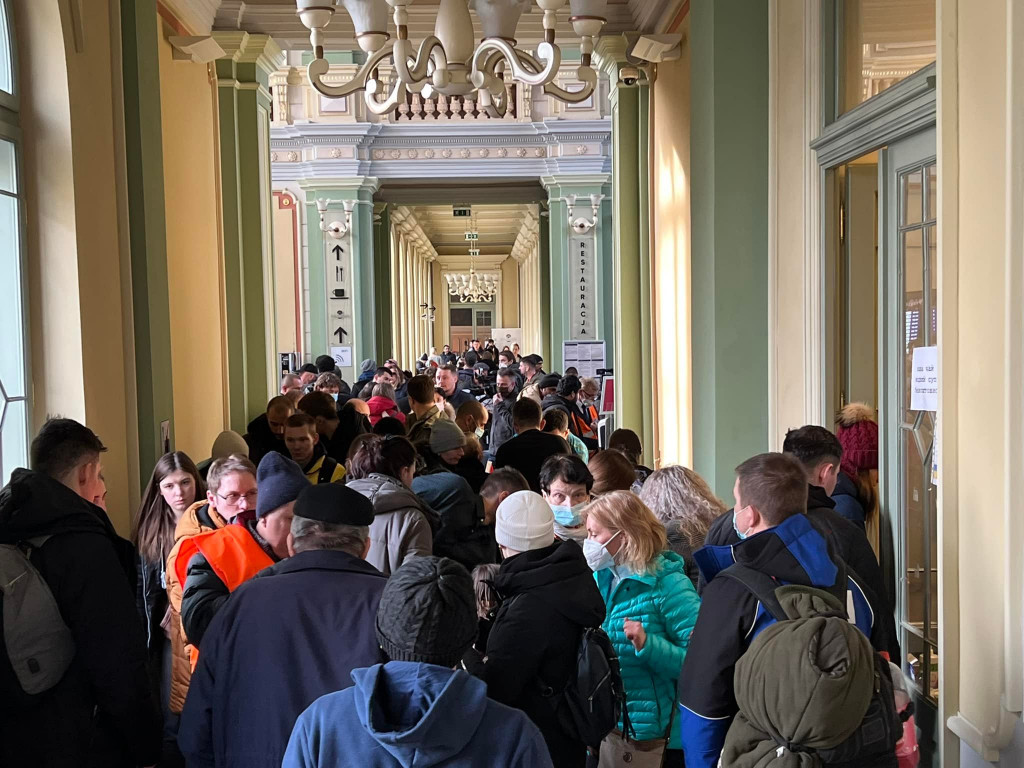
(729, 212)
(147, 228)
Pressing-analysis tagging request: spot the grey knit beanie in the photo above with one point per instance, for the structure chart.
(427, 612)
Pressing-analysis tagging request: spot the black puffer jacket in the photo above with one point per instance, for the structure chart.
(548, 597)
(102, 712)
(205, 593)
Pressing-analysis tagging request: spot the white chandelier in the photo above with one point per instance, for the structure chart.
(473, 288)
(450, 62)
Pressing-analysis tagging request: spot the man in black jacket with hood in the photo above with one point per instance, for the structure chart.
(549, 597)
(102, 712)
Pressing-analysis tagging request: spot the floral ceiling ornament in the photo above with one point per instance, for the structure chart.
(450, 62)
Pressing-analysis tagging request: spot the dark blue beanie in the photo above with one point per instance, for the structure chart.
(278, 482)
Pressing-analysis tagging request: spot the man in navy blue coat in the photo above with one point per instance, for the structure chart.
(290, 635)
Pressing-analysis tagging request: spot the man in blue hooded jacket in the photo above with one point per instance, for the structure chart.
(417, 711)
(777, 539)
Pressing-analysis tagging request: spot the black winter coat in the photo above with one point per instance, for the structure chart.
(262, 441)
(502, 428)
(151, 602)
(548, 597)
(204, 594)
(289, 635)
(102, 712)
(851, 546)
(568, 406)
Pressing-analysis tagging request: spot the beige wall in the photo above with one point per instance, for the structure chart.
(286, 258)
(671, 257)
(193, 250)
(79, 310)
(509, 294)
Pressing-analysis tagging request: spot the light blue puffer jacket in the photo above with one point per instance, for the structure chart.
(667, 604)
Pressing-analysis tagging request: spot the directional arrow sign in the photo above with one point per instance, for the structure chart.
(338, 250)
(341, 333)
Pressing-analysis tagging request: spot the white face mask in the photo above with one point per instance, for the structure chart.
(597, 554)
(479, 432)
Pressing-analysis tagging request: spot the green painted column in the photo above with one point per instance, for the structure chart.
(382, 283)
(630, 274)
(729, 214)
(645, 286)
(147, 228)
(547, 348)
(560, 296)
(244, 112)
(365, 283)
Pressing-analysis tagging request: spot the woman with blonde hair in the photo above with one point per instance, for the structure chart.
(687, 507)
(651, 608)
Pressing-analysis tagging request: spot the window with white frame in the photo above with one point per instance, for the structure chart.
(14, 390)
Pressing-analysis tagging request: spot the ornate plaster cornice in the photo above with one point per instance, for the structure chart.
(518, 150)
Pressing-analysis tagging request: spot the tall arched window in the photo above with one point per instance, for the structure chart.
(14, 389)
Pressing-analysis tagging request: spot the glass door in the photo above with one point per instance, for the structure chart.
(909, 335)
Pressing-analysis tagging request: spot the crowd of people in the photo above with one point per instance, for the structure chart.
(422, 570)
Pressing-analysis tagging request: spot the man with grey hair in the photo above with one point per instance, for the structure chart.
(288, 636)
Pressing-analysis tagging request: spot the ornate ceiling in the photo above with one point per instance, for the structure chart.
(497, 225)
(278, 19)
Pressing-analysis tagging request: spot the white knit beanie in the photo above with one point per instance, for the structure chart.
(524, 522)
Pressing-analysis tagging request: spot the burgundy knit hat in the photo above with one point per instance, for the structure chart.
(858, 434)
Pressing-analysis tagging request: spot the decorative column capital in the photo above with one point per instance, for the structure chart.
(609, 55)
(242, 47)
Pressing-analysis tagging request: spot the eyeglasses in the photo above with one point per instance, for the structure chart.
(232, 499)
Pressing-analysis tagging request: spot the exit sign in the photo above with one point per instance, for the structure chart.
(472, 236)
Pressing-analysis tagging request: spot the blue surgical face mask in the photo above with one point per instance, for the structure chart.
(597, 554)
(335, 396)
(741, 534)
(569, 517)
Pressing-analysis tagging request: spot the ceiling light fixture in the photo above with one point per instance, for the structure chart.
(451, 62)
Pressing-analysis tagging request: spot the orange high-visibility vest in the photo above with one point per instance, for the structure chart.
(234, 555)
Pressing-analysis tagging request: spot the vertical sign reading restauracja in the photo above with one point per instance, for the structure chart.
(340, 313)
(582, 287)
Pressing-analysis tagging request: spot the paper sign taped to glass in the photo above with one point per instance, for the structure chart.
(924, 380)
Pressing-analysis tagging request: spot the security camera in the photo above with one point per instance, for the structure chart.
(629, 75)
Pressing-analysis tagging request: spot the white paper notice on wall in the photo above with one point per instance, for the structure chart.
(342, 356)
(924, 380)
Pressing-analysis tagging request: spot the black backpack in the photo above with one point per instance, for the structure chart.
(594, 698)
(874, 742)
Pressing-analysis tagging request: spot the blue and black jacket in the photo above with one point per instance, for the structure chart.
(730, 617)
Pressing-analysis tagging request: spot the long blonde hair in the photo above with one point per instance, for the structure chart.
(643, 534)
(679, 494)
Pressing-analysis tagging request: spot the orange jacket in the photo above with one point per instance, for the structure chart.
(233, 554)
(199, 518)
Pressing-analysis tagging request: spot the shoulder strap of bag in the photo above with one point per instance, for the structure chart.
(761, 585)
(326, 470)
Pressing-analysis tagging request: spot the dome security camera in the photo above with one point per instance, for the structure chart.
(629, 75)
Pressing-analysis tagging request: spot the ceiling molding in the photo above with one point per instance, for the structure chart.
(279, 19)
(197, 16)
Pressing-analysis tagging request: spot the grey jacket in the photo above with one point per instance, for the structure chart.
(401, 527)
